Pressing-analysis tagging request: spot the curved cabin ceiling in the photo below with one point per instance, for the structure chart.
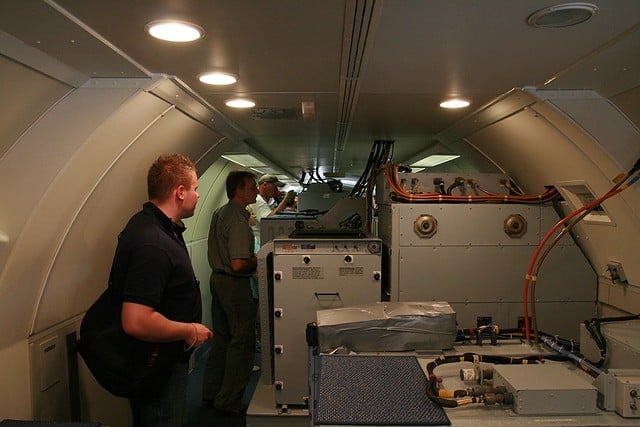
(373, 69)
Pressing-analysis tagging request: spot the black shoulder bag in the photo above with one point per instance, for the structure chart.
(123, 365)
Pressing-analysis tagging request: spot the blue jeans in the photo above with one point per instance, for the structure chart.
(169, 408)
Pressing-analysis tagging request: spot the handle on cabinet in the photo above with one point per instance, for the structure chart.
(327, 294)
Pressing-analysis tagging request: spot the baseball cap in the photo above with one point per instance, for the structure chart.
(271, 178)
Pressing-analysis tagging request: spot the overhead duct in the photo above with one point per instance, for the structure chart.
(360, 22)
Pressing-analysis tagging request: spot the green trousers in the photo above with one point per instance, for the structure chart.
(232, 353)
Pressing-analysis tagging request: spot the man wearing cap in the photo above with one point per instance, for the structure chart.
(268, 188)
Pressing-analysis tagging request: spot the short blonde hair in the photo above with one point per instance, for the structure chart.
(167, 173)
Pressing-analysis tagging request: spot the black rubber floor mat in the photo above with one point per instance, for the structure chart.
(374, 390)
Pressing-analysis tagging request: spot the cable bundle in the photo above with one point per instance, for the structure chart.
(391, 172)
(381, 152)
(565, 225)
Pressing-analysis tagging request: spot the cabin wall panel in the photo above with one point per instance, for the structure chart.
(15, 401)
(627, 102)
(619, 295)
(49, 379)
(541, 146)
(81, 266)
(36, 221)
(50, 382)
(602, 132)
(30, 93)
(612, 143)
(88, 157)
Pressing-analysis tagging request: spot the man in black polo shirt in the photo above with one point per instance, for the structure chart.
(232, 259)
(153, 277)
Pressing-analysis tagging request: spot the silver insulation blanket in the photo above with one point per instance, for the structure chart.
(388, 326)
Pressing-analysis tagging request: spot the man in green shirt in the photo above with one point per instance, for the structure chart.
(233, 261)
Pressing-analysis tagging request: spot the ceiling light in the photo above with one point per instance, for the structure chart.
(174, 31)
(240, 103)
(218, 78)
(434, 160)
(455, 103)
(245, 159)
(562, 15)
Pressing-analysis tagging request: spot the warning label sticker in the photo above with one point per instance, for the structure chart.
(351, 271)
(307, 273)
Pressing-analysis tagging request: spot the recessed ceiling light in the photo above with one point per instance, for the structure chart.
(434, 160)
(455, 103)
(174, 31)
(244, 159)
(240, 103)
(562, 15)
(218, 78)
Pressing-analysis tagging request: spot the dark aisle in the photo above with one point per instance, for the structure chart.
(201, 414)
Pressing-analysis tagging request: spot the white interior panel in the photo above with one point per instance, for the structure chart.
(76, 265)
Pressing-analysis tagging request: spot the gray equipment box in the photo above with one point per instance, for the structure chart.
(388, 326)
(546, 389)
(475, 259)
(282, 225)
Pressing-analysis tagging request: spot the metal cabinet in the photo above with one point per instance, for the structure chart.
(311, 275)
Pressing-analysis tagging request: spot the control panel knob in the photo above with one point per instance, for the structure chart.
(306, 259)
(277, 312)
(348, 259)
(376, 276)
(277, 276)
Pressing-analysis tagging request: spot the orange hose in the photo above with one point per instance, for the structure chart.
(528, 277)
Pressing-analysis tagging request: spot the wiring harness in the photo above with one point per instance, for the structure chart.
(381, 152)
(482, 394)
(445, 196)
(564, 225)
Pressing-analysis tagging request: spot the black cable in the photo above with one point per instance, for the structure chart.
(616, 319)
(357, 188)
(459, 181)
(433, 381)
(635, 168)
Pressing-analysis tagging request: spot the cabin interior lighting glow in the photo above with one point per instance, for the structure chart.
(174, 31)
(245, 159)
(218, 78)
(240, 103)
(562, 15)
(434, 160)
(455, 103)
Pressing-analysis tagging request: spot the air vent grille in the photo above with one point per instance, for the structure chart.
(359, 27)
(578, 195)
